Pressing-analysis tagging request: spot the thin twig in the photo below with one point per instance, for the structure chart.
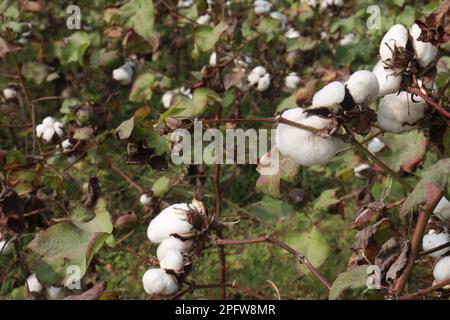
(425, 291)
(430, 101)
(119, 171)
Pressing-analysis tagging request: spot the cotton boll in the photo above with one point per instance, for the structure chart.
(10, 93)
(185, 3)
(213, 59)
(40, 129)
(433, 240)
(124, 74)
(263, 83)
(329, 96)
(58, 127)
(363, 86)
(280, 17)
(33, 284)
(66, 145)
(262, 6)
(397, 35)
(441, 270)
(425, 51)
(301, 145)
(442, 210)
(48, 134)
(387, 81)
(145, 199)
(185, 91)
(292, 34)
(172, 243)
(348, 39)
(260, 71)
(171, 285)
(53, 293)
(153, 281)
(291, 81)
(48, 122)
(167, 99)
(204, 19)
(171, 220)
(253, 78)
(399, 113)
(6, 247)
(358, 170)
(375, 145)
(173, 260)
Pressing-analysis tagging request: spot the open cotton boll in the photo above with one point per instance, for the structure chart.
(145, 199)
(173, 260)
(124, 74)
(204, 19)
(33, 284)
(263, 83)
(399, 113)
(441, 270)
(185, 3)
(171, 285)
(48, 134)
(167, 99)
(301, 145)
(262, 6)
(442, 210)
(58, 127)
(172, 220)
(259, 70)
(433, 240)
(387, 81)
(53, 293)
(253, 78)
(358, 170)
(329, 96)
(347, 39)
(375, 145)
(172, 243)
(397, 35)
(5, 247)
(49, 122)
(66, 145)
(363, 86)
(40, 129)
(280, 17)
(425, 51)
(291, 81)
(213, 59)
(10, 93)
(154, 281)
(292, 34)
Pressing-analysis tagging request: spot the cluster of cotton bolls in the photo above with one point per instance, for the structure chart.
(124, 74)
(400, 111)
(48, 128)
(173, 232)
(34, 286)
(168, 96)
(259, 78)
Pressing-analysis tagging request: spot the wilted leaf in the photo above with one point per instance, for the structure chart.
(92, 294)
(355, 279)
(390, 257)
(366, 235)
(125, 129)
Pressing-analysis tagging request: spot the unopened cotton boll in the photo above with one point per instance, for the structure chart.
(375, 145)
(213, 59)
(33, 284)
(301, 145)
(124, 74)
(433, 240)
(441, 270)
(291, 81)
(263, 83)
(157, 281)
(172, 220)
(425, 51)
(172, 243)
(442, 210)
(399, 113)
(292, 33)
(363, 86)
(173, 260)
(10, 93)
(329, 96)
(397, 35)
(53, 293)
(388, 82)
(262, 6)
(145, 199)
(167, 99)
(204, 19)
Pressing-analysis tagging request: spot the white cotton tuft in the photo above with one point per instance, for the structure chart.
(48, 122)
(253, 78)
(329, 96)
(292, 34)
(213, 59)
(53, 293)
(433, 240)
(425, 51)
(185, 3)
(399, 113)
(66, 145)
(10, 93)
(397, 35)
(33, 284)
(358, 170)
(173, 260)
(301, 145)
(262, 6)
(387, 81)
(48, 134)
(441, 270)
(347, 39)
(58, 127)
(260, 71)
(363, 86)
(291, 81)
(124, 74)
(172, 243)
(263, 83)
(171, 220)
(145, 199)
(375, 145)
(157, 281)
(40, 129)
(6, 247)
(442, 210)
(204, 19)
(167, 99)
(280, 17)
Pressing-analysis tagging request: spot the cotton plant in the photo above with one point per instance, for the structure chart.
(49, 128)
(262, 7)
(124, 74)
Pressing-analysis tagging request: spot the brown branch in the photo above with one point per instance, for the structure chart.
(416, 241)
(47, 99)
(119, 171)
(424, 291)
(430, 101)
(300, 257)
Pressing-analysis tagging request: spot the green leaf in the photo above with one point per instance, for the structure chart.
(138, 15)
(269, 26)
(75, 48)
(141, 90)
(206, 36)
(183, 106)
(355, 279)
(271, 209)
(161, 186)
(326, 199)
(101, 222)
(301, 43)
